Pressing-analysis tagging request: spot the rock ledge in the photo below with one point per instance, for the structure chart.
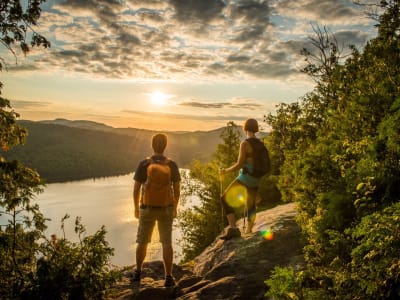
(234, 269)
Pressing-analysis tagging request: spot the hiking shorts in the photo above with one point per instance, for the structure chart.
(148, 216)
(233, 199)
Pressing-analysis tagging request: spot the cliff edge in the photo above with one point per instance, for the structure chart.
(233, 269)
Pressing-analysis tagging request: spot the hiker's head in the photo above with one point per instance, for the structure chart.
(159, 142)
(251, 125)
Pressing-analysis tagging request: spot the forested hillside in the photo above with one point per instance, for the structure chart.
(64, 150)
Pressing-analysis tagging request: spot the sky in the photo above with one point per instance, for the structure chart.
(171, 65)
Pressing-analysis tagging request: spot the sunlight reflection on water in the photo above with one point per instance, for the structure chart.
(105, 201)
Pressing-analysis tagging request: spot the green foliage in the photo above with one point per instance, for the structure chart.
(225, 153)
(339, 157)
(202, 223)
(17, 18)
(10, 133)
(281, 284)
(30, 266)
(74, 270)
(25, 223)
(268, 192)
(375, 258)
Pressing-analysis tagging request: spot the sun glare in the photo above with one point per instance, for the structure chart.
(158, 98)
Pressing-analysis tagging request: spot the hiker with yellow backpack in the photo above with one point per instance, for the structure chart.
(156, 195)
(252, 163)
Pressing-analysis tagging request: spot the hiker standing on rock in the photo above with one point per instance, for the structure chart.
(156, 194)
(243, 190)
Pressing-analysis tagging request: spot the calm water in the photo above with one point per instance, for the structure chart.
(106, 201)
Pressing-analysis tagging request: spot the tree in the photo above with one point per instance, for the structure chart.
(202, 223)
(17, 183)
(16, 24)
(344, 172)
(28, 260)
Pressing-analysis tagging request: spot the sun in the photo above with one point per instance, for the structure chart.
(159, 98)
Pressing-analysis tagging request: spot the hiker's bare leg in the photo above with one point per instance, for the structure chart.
(230, 215)
(251, 205)
(231, 220)
(249, 227)
(168, 253)
(141, 250)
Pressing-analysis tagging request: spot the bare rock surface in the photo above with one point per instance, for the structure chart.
(233, 269)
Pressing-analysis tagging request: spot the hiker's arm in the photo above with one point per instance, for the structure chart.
(177, 193)
(136, 197)
(240, 161)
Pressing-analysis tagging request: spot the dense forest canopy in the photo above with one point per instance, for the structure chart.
(339, 155)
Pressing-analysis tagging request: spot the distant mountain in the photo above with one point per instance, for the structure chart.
(63, 150)
(78, 123)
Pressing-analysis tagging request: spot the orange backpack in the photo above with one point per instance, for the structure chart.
(158, 189)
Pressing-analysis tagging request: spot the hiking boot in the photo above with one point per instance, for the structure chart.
(231, 233)
(136, 276)
(169, 281)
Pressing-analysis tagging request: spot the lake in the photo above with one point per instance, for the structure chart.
(105, 201)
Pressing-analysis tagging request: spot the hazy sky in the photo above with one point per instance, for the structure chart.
(173, 65)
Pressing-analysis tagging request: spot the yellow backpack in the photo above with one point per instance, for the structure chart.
(158, 186)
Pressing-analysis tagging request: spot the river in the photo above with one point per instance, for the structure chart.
(105, 201)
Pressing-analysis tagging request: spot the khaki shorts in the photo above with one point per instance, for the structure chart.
(147, 219)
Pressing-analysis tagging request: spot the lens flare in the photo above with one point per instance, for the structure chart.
(236, 196)
(267, 234)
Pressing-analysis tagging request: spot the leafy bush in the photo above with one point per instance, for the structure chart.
(375, 259)
(340, 150)
(282, 284)
(74, 270)
(202, 223)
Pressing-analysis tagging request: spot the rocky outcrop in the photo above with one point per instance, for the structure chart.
(233, 269)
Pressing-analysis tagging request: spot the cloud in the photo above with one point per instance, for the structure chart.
(351, 37)
(105, 7)
(22, 68)
(238, 58)
(149, 17)
(171, 116)
(204, 105)
(197, 11)
(21, 104)
(250, 11)
(322, 11)
(249, 104)
(188, 39)
(234, 104)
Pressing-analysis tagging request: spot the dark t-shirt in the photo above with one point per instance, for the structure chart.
(141, 170)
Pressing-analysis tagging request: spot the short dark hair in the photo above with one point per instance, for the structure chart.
(251, 125)
(159, 142)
